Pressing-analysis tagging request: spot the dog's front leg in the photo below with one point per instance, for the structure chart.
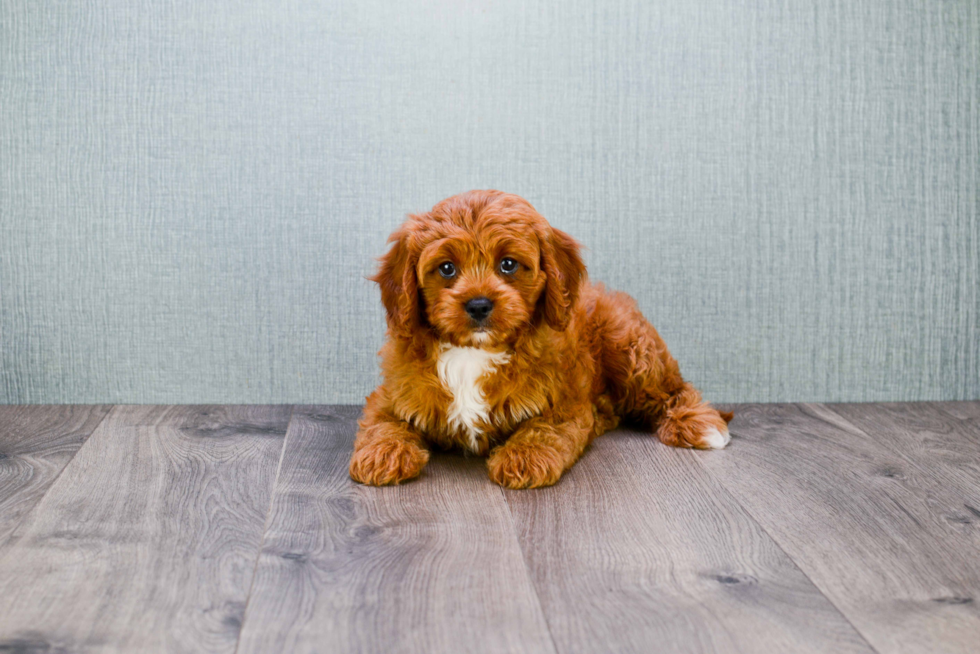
(539, 451)
(387, 450)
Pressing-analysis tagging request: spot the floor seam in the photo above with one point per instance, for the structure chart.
(527, 570)
(265, 527)
(13, 533)
(796, 564)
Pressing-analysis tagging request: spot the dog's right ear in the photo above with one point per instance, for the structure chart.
(399, 286)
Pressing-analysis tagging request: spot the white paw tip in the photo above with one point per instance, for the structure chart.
(714, 439)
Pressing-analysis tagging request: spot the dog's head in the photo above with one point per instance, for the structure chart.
(478, 269)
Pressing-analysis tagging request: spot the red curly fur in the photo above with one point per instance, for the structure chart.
(572, 358)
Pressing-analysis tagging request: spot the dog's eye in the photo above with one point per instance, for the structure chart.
(447, 269)
(508, 266)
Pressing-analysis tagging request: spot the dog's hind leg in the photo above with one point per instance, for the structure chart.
(645, 382)
(689, 421)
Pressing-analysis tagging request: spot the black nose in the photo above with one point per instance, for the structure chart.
(479, 308)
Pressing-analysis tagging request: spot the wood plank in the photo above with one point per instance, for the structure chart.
(969, 410)
(869, 514)
(938, 448)
(147, 541)
(36, 443)
(429, 566)
(637, 549)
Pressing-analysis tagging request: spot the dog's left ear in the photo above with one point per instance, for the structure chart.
(563, 266)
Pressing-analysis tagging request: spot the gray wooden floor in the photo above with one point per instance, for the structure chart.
(822, 528)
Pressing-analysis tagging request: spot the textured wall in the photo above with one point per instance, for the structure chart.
(192, 192)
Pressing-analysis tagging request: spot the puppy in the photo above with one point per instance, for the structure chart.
(498, 345)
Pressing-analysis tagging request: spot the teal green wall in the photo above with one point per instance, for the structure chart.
(191, 193)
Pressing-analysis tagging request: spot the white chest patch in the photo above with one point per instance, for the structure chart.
(460, 369)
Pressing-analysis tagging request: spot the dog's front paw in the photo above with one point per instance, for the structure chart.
(387, 461)
(525, 465)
